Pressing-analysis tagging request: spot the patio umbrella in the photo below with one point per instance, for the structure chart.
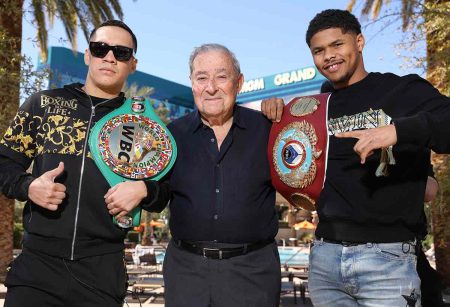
(304, 225)
(154, 223)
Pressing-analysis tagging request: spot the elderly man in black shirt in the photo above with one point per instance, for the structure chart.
(222, 203)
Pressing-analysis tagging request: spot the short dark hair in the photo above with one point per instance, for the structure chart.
(332, 18)
(120, 24)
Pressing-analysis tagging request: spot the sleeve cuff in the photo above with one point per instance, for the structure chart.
(23, 185)
(152, 193)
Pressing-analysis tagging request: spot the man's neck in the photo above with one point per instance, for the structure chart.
(221, 120)
(354, 79)
(220, 128)
(217, 122)
(95, 91)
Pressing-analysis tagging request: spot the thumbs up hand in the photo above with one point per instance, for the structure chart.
(43, 191)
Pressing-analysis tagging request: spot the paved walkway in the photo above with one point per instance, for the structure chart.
(286, 301)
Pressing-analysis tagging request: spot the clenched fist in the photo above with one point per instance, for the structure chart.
(124, 197)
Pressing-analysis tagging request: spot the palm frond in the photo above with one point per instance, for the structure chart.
(117, 8)
(69, 19)
(105, 10)
(39, 18)
(407, 12)
(350, 5)
(50, 8)
(367, 6)
(83, 21)
(73, 14)
(376, 8)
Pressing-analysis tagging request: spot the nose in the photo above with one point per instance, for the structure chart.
(211, 87)
(328, 55)
(109, 57)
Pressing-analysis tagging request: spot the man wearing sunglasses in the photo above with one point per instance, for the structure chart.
(72, 252)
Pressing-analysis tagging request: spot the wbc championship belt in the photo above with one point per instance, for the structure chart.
(297, 150)
(132, 143)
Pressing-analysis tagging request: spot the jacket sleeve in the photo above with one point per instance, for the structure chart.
(430, 125)
(14, 180)
(17, 150)
(158, 196)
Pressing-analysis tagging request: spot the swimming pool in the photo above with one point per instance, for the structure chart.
(293, 256)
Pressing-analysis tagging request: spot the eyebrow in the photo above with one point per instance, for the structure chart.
(201, 72)
(204, 72)
(336, 41)
(339, 40)
(221, 70)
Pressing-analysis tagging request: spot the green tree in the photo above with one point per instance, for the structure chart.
(73, 14)
(428, 21)
(135, 90)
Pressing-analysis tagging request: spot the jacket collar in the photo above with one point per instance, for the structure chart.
(76, 89)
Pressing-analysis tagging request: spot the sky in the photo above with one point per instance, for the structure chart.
(268, 37)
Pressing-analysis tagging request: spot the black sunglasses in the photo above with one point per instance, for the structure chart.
(100, 50)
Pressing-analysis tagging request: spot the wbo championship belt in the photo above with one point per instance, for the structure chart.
(132, 143)
(297, 150)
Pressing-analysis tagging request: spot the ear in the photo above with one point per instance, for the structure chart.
(133, 65)
(360, 42)
(87, 57)
(240, 82)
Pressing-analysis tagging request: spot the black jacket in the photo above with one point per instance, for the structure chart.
(53, 126)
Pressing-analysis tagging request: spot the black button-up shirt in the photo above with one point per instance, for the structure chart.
(222, 195)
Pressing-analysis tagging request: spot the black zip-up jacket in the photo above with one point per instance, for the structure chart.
(53, 126)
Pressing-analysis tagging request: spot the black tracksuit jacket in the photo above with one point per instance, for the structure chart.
(53, 126)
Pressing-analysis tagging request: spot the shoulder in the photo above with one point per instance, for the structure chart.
(393, 79)
(182, 124)
(254, 122)
(41, 98)
(49, 93)
(250, 116)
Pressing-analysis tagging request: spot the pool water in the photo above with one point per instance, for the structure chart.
(293, 256)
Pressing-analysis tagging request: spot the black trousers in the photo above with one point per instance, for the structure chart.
(430, 284)
(37, 279)
(191, 280)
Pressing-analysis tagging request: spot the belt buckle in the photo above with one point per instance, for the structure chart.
(348, 244)
(205, 249)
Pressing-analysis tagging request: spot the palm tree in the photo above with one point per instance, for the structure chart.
(73, 14)
(431, 19)
(135, 90)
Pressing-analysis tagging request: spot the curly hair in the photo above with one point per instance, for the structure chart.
(333, 18)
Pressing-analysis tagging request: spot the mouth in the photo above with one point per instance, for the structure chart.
(213, 99)
(332, 67)
(107, 71)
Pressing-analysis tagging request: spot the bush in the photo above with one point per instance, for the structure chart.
(18, 235)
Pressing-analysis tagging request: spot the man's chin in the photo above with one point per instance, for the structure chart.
(337, 81)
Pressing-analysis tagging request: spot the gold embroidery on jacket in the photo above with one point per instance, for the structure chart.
(56, 134)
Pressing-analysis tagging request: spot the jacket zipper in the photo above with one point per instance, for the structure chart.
(82, 169)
